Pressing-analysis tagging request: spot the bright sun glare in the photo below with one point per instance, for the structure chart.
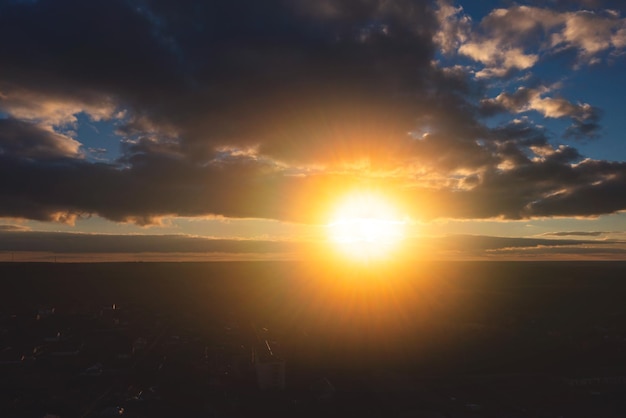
(366, 227)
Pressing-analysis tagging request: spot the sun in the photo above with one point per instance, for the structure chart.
(366, 227)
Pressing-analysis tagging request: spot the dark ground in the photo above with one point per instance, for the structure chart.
(492, 339)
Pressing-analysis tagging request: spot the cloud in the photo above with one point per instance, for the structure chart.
(275, 109)
(25, 140)
(577, 233)
(484, 242)
(65, 242)
(525, 99)
(506, 248)
(36, 245)
(584, 116)
(50, 111)
(454, 27)
(595, 252)
(516, 38)
(13, 227)
(597, 181)
(591, 33)
(499, 61)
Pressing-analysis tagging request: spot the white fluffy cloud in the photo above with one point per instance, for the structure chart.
(516, 38)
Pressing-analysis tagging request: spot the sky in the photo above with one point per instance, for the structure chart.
(185, 130)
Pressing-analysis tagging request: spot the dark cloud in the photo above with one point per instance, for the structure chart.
(101, 247)
(594, 193)
(521, 132)
(62, 242)
(490, 247)
(23, 140)
(582, 129)
(273, 109)
(577, 233)
(585, 118)
(594, 252)
(482, 242)
(157, 185)
(9, 227)
(75, 49)
(232, 72)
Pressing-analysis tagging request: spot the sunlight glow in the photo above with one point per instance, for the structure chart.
(366, 227)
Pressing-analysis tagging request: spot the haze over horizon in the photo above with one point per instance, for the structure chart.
(233, 130)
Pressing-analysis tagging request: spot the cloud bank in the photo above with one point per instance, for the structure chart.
(20, 245)
(274, 109)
